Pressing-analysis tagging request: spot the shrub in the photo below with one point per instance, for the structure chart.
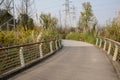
(73, 36)
(50, 34)
(86, 37)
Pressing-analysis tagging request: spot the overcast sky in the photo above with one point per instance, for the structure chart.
(103, 9)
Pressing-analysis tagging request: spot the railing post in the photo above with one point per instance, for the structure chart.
(100, 43)
(96, 41)
(105, 45)
(109, 48)
(56, 44)
(115, 53)
(51, 48)
(41, 51)
(21, 57)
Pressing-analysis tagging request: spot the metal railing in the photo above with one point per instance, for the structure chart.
(12, 58)
(112, 47)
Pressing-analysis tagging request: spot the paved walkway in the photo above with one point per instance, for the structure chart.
(76, 61)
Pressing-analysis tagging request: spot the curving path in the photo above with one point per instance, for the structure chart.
(76, 61)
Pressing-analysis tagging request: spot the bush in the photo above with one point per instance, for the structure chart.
(86, 37)
(10, 38)
(20, 36)
(73, 36)
(50, 34)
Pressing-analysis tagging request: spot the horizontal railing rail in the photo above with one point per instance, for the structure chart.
(113, 50)
(15, 57)
(28, 44)
(112, 47)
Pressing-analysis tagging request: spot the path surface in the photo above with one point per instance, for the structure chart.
(76, 61)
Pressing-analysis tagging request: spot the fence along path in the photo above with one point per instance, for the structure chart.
(76, 61)
(112, 48)
(15, 58)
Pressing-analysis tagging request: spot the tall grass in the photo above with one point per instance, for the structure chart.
(86, 37)
(10, 38)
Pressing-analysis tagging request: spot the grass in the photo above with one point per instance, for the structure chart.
(85, 37)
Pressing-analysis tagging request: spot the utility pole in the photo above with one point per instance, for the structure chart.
(60, 19)
(67, 12)
(74, 15)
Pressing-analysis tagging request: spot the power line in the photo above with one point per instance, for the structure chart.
(67, 12)
(73, 15)
(60, 19)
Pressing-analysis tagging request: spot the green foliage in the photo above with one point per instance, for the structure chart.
(4, 17)
(26, 22)
(112, 31)
(86, 37)
(30, 24)
(20, 36)
(73, 36)
(50, 34)
(87, 18)
(10, 38)
(46, 48)
(47, 21)
(7, 38)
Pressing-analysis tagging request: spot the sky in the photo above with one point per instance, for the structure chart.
(102, 9)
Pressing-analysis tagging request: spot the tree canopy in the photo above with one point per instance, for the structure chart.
(4, 17)
(26, 22)
(87, 18)
(47, 21)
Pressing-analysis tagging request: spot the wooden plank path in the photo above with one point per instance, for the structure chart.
(76, 61)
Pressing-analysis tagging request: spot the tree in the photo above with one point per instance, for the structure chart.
(94, 27)
(25, 12)
(112, 30)
(7, 5)
(47, 21)
(87, 17)
(117, 21)
(5, 17)
(30, 24)
(25, 19)
(25, 7)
